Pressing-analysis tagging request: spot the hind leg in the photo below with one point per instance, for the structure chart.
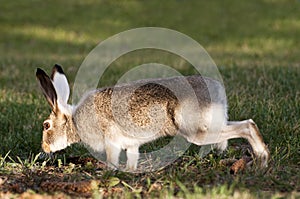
(221, 146)
(247, 129)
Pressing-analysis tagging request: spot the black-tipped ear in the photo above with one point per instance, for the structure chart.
(47, 87)
(56, 68)
(60, 83)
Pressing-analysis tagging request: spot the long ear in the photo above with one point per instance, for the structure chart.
(47, 87)
(60, 84)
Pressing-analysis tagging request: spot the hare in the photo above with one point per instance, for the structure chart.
(104, 123)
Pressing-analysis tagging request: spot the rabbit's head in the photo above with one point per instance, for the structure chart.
(58, 126)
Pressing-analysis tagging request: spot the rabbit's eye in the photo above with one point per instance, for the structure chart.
(46, 125)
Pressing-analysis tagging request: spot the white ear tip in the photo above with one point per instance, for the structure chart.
(60, 83)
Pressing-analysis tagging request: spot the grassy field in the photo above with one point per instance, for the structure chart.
(255, 44)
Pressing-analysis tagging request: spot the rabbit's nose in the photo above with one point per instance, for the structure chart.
(46, 147)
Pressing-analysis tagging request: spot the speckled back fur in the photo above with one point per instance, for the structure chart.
(108, 104)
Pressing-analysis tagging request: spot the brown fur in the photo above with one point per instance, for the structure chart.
(129, 115)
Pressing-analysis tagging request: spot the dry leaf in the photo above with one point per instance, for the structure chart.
(239, 165)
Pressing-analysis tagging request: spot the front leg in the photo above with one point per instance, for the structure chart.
(112, 154)
(132, 158)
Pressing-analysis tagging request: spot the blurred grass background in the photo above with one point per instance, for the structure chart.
(255, 44)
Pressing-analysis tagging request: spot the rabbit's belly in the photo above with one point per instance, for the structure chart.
(126, 139)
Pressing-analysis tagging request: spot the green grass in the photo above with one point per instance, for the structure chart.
(254, 43)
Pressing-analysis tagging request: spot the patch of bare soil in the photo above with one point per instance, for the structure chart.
(73, 180)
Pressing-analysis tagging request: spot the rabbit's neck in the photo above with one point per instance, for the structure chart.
(72, 134)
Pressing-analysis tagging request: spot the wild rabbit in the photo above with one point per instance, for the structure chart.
(103, 123)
